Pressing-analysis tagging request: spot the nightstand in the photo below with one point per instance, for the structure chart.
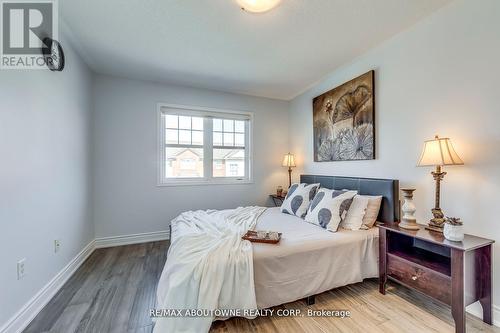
(425, 261)
(277, 200)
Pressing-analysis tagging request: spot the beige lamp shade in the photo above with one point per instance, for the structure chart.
(289, 160)
(439, 151)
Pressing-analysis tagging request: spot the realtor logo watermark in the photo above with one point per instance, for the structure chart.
(24, 26)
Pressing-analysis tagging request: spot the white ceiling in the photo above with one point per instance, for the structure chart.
(214, 44)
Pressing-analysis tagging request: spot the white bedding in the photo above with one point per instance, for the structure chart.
(208, 267)
(309, 260)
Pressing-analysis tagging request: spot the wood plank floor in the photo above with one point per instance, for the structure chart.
(115, 288)
(111, 292)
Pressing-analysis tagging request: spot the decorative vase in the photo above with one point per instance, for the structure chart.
(454, 233)
(408, 221)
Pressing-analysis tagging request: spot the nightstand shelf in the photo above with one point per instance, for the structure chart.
(425, 261)
(441, 264)
(277, 200)
(403, 246)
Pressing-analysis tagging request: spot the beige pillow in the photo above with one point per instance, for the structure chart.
(372, 210)
(354, 217)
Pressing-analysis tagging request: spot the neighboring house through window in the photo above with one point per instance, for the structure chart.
(204, 146)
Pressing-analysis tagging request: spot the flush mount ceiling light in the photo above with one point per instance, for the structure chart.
(258, 6)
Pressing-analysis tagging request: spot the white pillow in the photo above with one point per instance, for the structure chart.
(372, 210)
(329, 207)
(355, 214)
(298, 198)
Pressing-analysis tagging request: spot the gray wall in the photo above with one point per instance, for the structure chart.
(44, 178)
(126, 197)
(439, 77)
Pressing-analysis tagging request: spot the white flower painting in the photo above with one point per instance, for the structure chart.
(344, 121)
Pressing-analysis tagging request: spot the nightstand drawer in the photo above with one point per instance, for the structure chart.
(419, 277)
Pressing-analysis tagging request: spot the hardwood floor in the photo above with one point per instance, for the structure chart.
(111, 292)
(400, 310)
(115, 288)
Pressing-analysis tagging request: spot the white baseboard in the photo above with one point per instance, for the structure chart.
(30, 310)
(131, 239)
(476, 310)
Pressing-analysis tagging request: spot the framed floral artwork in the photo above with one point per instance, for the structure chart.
(344, 121)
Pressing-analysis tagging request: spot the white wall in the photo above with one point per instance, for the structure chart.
(126, 197)
(45, 175)
(439, 77)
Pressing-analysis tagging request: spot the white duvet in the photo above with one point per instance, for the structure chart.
(309, 259)
(208, 267)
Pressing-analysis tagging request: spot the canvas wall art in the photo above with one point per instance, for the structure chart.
(344, 127)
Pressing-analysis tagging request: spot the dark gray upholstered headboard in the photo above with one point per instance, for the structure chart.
(387, 188)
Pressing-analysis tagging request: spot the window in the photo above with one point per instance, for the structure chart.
(203, 146)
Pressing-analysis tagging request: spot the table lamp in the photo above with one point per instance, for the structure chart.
(438, 152)
(289, 161)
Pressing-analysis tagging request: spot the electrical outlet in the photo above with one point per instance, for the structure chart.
(57, 245)
(21, 272)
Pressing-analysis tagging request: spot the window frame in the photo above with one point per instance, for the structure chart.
(207, 113)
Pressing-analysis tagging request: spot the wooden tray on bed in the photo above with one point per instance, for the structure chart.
(251, 236)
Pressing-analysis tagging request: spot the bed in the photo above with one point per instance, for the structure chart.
(209, 266)
(310, 260)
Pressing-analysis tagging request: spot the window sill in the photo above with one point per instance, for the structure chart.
(203, 183)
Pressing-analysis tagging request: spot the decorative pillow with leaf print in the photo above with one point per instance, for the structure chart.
(329, 207)
(298, 198)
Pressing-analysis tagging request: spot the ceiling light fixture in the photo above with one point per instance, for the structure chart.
(258, 6)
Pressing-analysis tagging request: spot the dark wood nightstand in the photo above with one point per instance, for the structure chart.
(277, 200)
(427, 262)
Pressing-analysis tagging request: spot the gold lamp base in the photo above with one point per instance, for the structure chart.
(433, 228)
(437, 222)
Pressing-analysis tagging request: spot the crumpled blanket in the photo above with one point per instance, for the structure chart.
(208, 267)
